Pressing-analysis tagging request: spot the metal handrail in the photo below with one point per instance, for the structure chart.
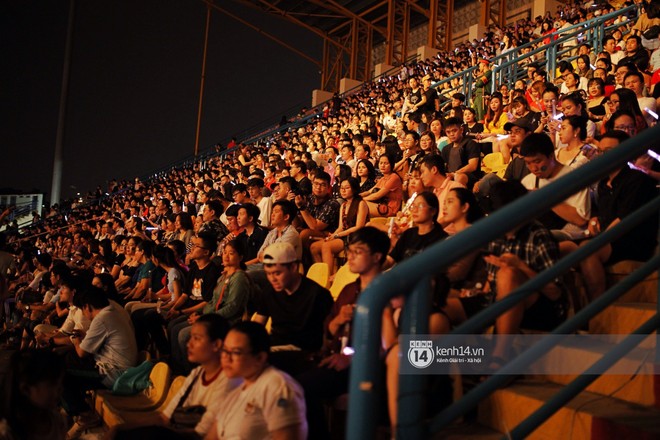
(361, 420)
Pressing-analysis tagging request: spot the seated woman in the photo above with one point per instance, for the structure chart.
(353, 215)
(427, 230)
(466, 274)
(205, 387)
(366, 174)
(270, 404)
(572, 134)
(595, 102)
(129, 267)
(384, 200)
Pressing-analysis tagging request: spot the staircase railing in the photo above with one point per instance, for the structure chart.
(412, 277)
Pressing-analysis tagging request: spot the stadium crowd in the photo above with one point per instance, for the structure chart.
(191, 264)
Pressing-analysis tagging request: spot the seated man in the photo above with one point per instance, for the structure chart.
(319, 212)
(366, 254)
(104, 352)
(620, 194)
(297, 306)
(515, 258)
(568, 219)
(462, 156)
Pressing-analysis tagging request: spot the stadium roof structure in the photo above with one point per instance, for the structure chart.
(350, 29)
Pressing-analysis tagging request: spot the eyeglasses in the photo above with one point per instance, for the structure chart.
(356, 252)
(625, 127)
(320, 184)
(417, 206)
(231, 354)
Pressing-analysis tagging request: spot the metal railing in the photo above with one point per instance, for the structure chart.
(412, 277)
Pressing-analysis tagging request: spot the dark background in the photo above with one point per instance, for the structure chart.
(134, 85)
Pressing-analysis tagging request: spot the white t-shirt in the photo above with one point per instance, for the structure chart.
(210, 396)
(581, 200)
(265, 206)
(274, 401)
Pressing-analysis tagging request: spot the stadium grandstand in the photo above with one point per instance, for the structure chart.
(456, 241)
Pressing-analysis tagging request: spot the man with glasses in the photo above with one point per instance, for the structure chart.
(299, 172)
(198, 292)
(319, 212)
(366, 254)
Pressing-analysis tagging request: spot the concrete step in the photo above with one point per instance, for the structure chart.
(587, 416)
(644, 292)
(631, 379)
(621, 318)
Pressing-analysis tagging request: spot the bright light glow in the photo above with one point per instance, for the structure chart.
(348, 351)
(651, 112)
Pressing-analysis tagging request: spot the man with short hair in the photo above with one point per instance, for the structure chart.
(635, 82)
(609, 45)
(568, 218)
(619, 194)
(299, 172)
(516, 169)
(636, 53)
(253, 234)
(297, 306)
(463, 155)
(319, 212)
(434, 175)
(104, 352)
(366, 253)
(255, 188)
(212, 211)
(197, 293)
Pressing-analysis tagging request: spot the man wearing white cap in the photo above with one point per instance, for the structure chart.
(297, 306)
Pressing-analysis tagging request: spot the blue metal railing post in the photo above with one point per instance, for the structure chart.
(412, 387)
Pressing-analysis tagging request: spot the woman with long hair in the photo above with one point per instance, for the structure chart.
(626, 101)
(574, 151)
(384, 199)
(353, 215)
(185, 229)
(495, 117)
(584, 67)
(366, 174)
(461, 210)
(427, 144)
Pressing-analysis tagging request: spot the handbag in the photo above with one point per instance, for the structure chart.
(187, 416)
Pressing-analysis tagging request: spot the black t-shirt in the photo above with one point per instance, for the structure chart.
(252, 243)
(411, 243)
(200, 283)
(297, 318)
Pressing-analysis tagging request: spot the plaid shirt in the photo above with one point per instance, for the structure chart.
(533, 244)
(327, 212)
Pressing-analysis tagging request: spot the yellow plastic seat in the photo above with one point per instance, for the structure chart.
(113, 416)
(494, 163)
(343, 277)
(147, 400)
(319, 272)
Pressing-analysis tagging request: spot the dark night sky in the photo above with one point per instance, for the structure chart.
(134, 85)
